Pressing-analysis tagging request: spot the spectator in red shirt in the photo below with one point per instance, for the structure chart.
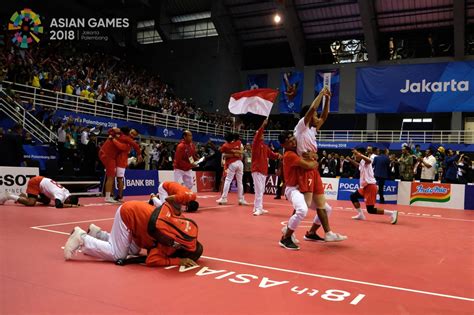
(185, 160)
(260, 155)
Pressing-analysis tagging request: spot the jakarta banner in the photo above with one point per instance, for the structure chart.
(257, 81)
(329, 78)
(291, 92)
(436, 87)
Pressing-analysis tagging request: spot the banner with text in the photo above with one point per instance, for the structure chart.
(14, 179)
(469, 195)
(348, 185)
(329, 78)
(330, 187)
(271, 185)
(291, 92)
(139, 183)
(431, 195)
(435, 87)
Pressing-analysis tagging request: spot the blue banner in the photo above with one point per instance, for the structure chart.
(291, 92)
(139, 183)
(436, 87)
(144, 129)
(40, 153)
(331, 79)
(349, 185)
(469, 197)
(257, 81)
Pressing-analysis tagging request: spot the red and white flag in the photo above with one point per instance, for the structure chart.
(257, 101)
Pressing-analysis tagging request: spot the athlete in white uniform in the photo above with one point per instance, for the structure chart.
(310, 183)
(43, 189)
(367, 189)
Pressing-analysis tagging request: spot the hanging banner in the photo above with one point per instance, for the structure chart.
(291, 92)
(435, 87)
(331, 79)
(257, 81)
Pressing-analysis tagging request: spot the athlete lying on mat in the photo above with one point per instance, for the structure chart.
(172, 188)
(43, 189)
(169, 237)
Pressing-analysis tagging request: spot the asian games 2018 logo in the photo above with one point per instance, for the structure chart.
(27, 26)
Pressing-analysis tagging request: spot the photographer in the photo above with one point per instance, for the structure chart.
(464, 169)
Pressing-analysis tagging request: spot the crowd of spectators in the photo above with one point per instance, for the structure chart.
(92, 76)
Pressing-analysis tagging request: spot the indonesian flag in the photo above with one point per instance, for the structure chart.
(257, 101)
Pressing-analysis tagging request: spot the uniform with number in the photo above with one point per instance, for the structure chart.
(233, 166)
(260, 155)
(40, 186)
(291, 173)
(310, 180)
(183, 163)
(108, 153)
(368, 184)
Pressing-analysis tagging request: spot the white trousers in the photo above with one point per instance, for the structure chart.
(163, 195)
(119, 243)
(235, 169)
(184, 178)
(259, 187)
(299, 204)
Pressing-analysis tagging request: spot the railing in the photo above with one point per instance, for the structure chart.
(413, 136)
(29, 122)
(77, 104)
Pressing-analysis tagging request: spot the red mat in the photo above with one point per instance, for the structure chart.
(422, 265)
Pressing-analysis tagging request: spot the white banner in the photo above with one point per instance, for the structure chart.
(436, 195)
(168, 176)
(14, 179)
(330, 187)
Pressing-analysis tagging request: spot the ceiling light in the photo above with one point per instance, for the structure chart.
(277, 18)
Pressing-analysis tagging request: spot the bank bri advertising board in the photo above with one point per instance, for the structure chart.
(436, 87)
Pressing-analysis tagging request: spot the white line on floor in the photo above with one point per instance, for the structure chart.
(307, 273)
(341, 279)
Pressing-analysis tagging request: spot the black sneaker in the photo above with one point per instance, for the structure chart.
(288, 244)
(313, 237)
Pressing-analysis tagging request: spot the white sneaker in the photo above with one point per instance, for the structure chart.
(74, 242)
(360, 216)
(94, 230)
(258, 212)
(3, 198)
(243, 202)
(111, 200)
(222, 201)
(334, 237)
(293, 236)
(394, 217)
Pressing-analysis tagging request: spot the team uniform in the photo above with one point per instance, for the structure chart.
(368, 191)
(183, 163)
(368, 184)
(108, 154)
(168, 189)
(233, 166)
(122, 156)
(260, 155)
(291, 174)
(45, 189)
(310, 180)
(128, 236)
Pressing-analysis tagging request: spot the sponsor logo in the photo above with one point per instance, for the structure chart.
(430, 192)
(348, 186)
(26, 26)
(11, 180)
(438, 86)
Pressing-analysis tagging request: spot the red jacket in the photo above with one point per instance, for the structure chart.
(227, 148)
(261, 153)
(184, 151)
